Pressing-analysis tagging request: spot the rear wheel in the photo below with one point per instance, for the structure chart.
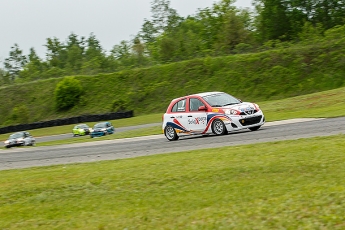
(254, 128)
(218, 127)
(170, 133)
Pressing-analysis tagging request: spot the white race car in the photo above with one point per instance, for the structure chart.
(211, 112)
(20, 139)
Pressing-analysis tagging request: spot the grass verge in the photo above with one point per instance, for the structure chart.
(278, 185)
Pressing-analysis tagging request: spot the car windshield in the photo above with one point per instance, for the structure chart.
(16, 135)
(83, 126)
(100, 125)
(221, 99)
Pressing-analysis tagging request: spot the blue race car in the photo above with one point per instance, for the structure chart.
(102, 129)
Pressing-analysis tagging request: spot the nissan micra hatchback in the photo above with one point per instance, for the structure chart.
(210, 113)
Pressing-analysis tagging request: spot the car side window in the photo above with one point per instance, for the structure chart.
(194, 104)
(180, 106)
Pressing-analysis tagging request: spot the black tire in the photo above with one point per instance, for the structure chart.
(254, 128)
(170, 133)
(218, 127)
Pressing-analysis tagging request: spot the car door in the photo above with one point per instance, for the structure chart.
(26, 137)
(177, 117)
(197, 119)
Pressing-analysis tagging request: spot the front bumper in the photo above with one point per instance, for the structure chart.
(98, 134)
(14, 144)
(243, 122)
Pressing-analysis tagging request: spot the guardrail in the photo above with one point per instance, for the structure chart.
(67, 121)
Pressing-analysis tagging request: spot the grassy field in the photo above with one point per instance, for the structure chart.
(279, 185)
(329, 103)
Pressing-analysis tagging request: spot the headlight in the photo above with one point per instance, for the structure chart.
(231, 112)
(20, 139)
(256, 106)
(7, 142)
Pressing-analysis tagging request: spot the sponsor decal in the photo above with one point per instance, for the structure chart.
(197, 121)
(215, 110)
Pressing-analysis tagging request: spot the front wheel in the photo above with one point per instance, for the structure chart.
(254, 128)
(170, 133)
(218, 127)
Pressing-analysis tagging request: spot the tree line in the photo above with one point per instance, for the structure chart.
(221, 29)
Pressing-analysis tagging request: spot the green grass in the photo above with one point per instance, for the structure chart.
(279, 185)
(325, 104)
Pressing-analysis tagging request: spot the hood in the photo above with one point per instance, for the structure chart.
(241, 106)
(244, 108)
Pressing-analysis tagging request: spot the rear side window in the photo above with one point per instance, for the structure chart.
(180, 106)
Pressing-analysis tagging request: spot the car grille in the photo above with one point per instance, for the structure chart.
(248, 112)
(250, 120)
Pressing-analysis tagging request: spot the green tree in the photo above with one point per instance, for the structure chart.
(148, 32)
(4, 77)
(74, 50)
(138, 50)
(15, 62)
(94, 58)
(233, 33)
(273, 22)
(93, 48)
(34, 67)
(56, 53)
(122, 53)
(164, 18)
(329, 12)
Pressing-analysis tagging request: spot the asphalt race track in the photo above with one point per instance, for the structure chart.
(142, 146)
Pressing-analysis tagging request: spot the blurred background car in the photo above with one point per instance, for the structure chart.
(81, 130)
(20, 139)
(102, 129)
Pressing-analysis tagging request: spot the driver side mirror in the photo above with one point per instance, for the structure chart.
(202, 108)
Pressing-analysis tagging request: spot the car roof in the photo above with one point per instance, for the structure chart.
(199, 95)
(206, 94)
(19, 132)
(104, 122)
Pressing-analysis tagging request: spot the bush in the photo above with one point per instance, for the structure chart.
(67, 93)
